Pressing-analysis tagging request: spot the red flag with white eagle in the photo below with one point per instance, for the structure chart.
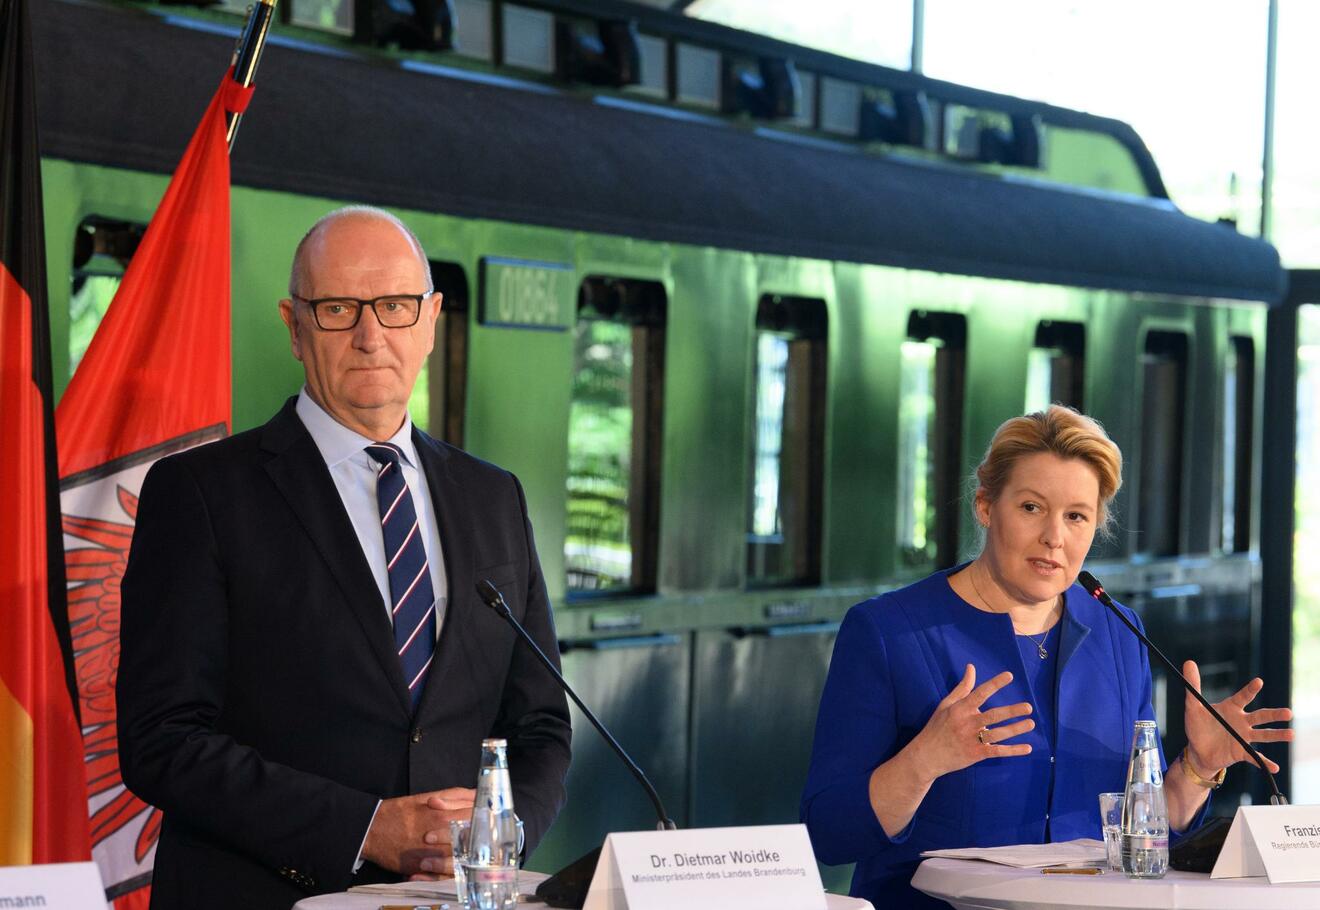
(155, 380)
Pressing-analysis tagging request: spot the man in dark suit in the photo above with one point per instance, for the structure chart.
(306, 671)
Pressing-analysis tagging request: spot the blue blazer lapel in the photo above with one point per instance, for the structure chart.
(300, 474)
(1074, 631)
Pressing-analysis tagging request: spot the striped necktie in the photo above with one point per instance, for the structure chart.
(413, 598)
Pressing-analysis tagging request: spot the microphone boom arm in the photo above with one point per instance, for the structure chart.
(1097, 590)
(492, 597)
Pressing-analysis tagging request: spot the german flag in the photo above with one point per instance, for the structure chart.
(43, 793)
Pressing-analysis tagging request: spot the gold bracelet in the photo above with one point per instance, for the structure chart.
(1211, 783)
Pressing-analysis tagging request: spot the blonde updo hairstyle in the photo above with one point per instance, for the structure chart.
(1059, 431)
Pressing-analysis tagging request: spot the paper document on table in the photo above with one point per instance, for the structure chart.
(527, 884)
(1081, 852)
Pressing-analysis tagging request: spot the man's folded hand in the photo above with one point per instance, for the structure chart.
(410, 834)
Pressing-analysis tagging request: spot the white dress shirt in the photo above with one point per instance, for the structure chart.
(354, 474)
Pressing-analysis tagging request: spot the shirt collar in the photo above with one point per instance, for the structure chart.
(337, 443)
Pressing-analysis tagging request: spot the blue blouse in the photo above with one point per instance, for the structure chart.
(1041, 677)
(896, 657)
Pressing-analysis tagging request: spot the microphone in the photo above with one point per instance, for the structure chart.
(568, 887)
(1097, 590)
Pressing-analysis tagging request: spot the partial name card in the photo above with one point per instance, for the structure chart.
(1281, 842)
(54, 886)
(771, 867)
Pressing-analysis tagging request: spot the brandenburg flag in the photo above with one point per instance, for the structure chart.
(154, 380)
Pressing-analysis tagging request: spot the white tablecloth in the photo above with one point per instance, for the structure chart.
(973, 885)
(347, 901)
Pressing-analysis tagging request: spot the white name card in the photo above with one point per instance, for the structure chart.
(57, 886)
(1282, 842)
(764, 868)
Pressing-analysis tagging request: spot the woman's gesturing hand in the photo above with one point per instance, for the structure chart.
(1209, 747)
(959, 733)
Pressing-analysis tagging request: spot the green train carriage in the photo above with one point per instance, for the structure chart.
(743, 367)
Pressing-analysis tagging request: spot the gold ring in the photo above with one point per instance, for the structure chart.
(980, 735)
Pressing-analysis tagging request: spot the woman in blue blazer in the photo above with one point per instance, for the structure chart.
(911, 754)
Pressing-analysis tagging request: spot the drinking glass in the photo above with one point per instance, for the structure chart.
(1111, 820)
(460, 836)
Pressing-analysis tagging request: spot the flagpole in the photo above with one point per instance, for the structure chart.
(248, 55)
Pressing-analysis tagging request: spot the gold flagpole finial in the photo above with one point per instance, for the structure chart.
(248, 55)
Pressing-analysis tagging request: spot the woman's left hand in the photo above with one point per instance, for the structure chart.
(1209, 747)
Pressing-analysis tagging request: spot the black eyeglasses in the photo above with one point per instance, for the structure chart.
(339, 314)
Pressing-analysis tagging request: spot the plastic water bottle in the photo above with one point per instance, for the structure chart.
(491, 869)
(1145, 827)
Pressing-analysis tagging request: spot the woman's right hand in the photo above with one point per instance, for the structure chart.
(950, 742)
(947, 743)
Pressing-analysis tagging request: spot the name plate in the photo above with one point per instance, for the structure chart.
(764, 868)
(1282, 842)
(57, 886)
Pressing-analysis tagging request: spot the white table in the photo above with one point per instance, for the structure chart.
(975, 885)
(346, 901)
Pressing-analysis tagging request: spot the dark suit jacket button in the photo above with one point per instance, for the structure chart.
(417, 735)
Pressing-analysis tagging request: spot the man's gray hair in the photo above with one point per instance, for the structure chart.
(297, 273)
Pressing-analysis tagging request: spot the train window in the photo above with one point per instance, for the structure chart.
(964, 128)
(440, 395)
(327, 15)
(697, 80)
(1239, 397)
(654, 53)
(102, 248)
(840, 106)
(472, 29)
(1163, 408)
(788, 441)
(614, 437)
(528, 38)
(1054, 366)
(1087, 158)
(806, 112)
(930, 418)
